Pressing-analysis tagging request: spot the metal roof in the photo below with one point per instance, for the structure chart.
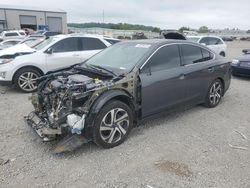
(28, 8)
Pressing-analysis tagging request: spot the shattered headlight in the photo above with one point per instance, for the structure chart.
(4, 61)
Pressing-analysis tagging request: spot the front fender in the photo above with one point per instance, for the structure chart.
(102, 100)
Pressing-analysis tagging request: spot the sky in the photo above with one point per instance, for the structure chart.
(166, 14)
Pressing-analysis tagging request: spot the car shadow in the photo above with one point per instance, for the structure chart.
(159, 119)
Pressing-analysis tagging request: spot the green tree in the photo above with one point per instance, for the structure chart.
(203, 29)
(184, 29)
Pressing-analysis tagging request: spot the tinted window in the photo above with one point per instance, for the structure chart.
(11, 42)
(112, 41)
(206, 55)
(11, 34)
(66, 45)
(191, 54)
(92, 44)
(211, 41)
(165, 58)
(205, 40)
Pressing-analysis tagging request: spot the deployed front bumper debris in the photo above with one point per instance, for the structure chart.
(67, 144)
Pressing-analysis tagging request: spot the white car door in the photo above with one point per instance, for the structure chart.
(63, 54)
(90, 46)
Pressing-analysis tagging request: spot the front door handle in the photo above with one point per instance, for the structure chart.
(210, 69)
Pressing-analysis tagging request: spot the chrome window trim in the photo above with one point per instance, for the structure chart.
(214, 55)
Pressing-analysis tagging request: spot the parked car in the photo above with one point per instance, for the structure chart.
(45, 33)
(55, 52)
(241, 65)
(8, 43)
(102, 99)
(228, 39)
(13, 34)
(214, 43)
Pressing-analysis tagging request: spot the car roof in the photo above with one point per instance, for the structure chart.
(159, 42)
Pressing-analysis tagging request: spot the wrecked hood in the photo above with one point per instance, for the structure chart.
(17, 49)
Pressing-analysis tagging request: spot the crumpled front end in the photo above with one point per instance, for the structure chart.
(59, 105)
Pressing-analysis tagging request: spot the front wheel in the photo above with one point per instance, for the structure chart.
(25, 79)
(113, 124)
(215, 93)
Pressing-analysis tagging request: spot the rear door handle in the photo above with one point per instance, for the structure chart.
(210, 69)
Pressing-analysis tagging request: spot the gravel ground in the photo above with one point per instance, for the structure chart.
(198, 147)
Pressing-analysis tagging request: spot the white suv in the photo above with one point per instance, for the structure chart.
(54, 53)
(15, 34)
(214, 43)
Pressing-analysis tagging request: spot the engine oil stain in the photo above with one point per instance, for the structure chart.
(178, 169)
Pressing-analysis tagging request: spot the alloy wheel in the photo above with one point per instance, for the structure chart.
(114, 125)
(215, 93)
(27, 81)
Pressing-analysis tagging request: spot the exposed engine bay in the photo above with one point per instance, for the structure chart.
(59, 104)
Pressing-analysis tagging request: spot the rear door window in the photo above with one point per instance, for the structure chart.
(167, 57)
(91, 44)
(66, 45)
(191, 54)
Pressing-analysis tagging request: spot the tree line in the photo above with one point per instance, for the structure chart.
(120, 26)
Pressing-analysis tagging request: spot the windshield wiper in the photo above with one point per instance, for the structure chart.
(97, 67)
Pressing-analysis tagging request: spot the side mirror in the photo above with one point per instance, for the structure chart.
(50, 51)
(204, 44)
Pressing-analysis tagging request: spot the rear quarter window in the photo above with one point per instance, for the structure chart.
(191, 54)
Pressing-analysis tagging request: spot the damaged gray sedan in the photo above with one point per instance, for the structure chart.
(102, 99)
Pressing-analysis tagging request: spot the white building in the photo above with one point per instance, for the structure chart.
(17, 17)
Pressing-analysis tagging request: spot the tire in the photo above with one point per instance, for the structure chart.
(223, 54)
(106, 132)
(214, 94)
(24, 79)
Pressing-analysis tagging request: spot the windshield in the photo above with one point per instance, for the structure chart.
(44, 43)
(120, 57)
(193, 39)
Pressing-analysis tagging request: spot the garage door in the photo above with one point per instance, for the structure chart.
(28, 20)
(55, 24)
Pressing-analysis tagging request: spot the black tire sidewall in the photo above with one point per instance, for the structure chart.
(20, 72)
(97, 122)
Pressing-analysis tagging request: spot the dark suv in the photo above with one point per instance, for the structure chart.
(104, 97)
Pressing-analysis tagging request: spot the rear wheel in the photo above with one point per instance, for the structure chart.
(113, 124)
(215, 93)
(25, 79)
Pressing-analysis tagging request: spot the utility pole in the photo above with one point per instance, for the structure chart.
(103, 21)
